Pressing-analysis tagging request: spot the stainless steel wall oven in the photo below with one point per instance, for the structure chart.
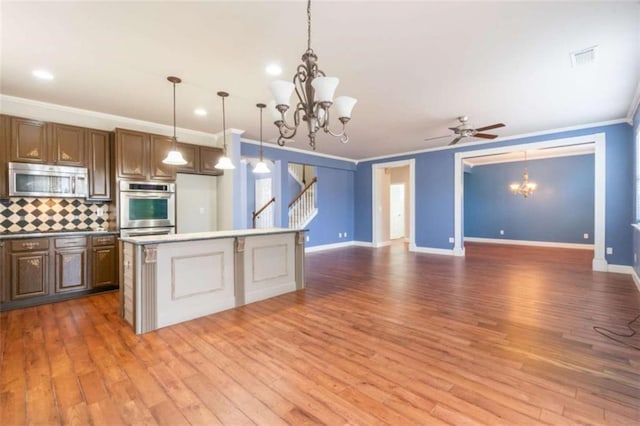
(147, 208)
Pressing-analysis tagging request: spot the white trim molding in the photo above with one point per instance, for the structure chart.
(298, 150)
(324, 247)
(362, 244)
(431, 250)
(529, 243)
(599, 139)
(636, 278)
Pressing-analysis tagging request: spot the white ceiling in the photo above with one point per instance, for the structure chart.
(414, 66)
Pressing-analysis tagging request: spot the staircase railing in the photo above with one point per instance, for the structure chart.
(262, 209)
(303, 205)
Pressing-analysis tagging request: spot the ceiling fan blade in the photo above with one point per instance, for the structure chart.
(438, 137)
(455, 141)
(493, 126)
(485, 136)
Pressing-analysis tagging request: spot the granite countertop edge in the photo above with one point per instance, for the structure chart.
(179, 238)
(21, 235)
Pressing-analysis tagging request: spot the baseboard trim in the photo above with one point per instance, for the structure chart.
(431, 250)
(636, 278)
(362, 244)
(324, 247)
(381, 244)
(529, 243)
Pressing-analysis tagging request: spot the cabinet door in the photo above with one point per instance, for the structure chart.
(71, 269)
(208, 159)
(4, 155)
(68, 145)
(104, 267)
(29, 275)
(159, 148)
(190, 154)
(3, 278)
(28, 140)
(131, 154)
(99, 150)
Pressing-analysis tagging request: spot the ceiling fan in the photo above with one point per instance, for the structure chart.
(463, 130)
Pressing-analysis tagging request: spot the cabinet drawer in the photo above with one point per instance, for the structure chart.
(30, 244)
(71, 242)
(103, 240)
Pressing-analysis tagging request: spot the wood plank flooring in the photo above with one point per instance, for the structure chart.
(503, 336)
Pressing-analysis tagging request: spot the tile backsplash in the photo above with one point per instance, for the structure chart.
(52, 214)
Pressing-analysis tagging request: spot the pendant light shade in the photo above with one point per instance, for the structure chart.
(224, 163)
(261, 166)
(174, 157)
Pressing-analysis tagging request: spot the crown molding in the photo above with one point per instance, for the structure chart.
(503, 139)
(45, 111)
(298, 150)
(635, 102)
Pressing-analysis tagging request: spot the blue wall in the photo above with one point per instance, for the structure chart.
(335, 192)
(435, 186)
(635, 231)
(561, 209)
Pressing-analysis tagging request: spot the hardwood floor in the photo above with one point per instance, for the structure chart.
(503, 336)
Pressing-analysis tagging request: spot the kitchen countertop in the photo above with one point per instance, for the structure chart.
(175, 238)
(61, 233)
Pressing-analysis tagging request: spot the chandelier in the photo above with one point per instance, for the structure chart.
(524, 188)
(315, 92)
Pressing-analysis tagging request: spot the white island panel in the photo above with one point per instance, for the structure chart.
(269, 268)
(194, 279)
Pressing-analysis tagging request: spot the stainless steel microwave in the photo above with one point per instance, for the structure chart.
(41, 180)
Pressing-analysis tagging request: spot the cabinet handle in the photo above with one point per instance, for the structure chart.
(29, 245)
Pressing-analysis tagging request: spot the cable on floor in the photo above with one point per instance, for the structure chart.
(602, 330)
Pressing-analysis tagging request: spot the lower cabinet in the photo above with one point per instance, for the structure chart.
(71, 264)
(40, 270)
(104, 267)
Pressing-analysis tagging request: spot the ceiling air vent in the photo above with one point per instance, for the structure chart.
(584, 56)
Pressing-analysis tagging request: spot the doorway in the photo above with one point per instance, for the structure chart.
(383, 176)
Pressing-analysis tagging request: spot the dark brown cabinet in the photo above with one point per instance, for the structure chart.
(99, 163)
(4, 155)
(139, 156)
(105, 262)
(29, 275)
(70, 270)
(28, 140)
(68, 145)
(201, 160)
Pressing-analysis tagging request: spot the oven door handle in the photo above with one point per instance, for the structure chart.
(149, 231)
(154, 196)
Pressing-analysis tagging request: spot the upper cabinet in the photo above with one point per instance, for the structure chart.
(28, 140)
(201, 160)
(99, 163)
(68, 145)
(4, 155)
(139, 156)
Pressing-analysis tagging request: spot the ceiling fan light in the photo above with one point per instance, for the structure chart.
(224, 163)
(324, 88)
(281, 91)
(344, 105)
(261, 168)
(174, 158)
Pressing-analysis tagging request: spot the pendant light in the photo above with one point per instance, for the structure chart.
(261, 167)
(174, 157)
(224, 163)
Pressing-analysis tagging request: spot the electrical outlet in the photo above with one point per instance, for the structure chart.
(339, 234)
(502, 232)
(609, 250)
(345, 235)
(100, 212)
(452, 240)
(635, 258)
(307, 239)
(586, 236)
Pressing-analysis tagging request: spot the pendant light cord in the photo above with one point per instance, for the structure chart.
(224, 128)
(309, 25)
(260, 134)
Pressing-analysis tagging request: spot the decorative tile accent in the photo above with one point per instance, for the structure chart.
(51, 214)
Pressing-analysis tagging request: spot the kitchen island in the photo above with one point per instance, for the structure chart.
(167, 279)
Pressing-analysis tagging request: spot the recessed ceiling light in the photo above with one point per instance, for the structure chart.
(42, 74)
(200, 111)
(273, 69)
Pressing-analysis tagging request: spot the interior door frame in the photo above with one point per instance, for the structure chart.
(599, 139)
(404, 209)
(376, 221)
